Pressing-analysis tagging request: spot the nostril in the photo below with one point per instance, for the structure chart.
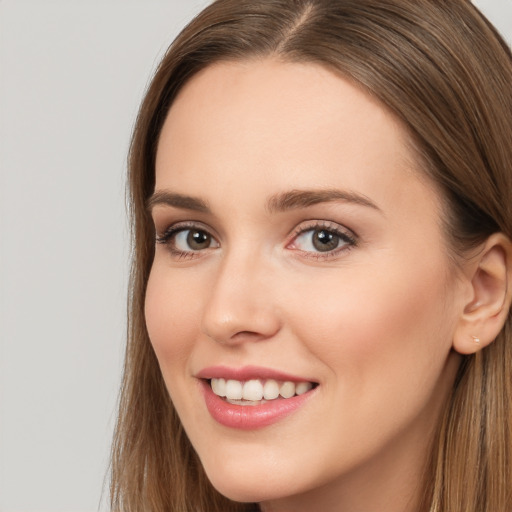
(247, 335)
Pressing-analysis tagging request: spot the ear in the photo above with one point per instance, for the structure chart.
(486, 310)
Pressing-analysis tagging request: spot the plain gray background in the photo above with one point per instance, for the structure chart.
(72, 74)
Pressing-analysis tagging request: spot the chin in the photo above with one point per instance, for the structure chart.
(243, 492)
(248, 484)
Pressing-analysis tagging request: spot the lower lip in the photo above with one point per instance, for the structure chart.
(250, 417)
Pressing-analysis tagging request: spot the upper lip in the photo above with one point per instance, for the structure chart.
(246, 373)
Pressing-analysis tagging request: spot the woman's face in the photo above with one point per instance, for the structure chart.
(299, 252)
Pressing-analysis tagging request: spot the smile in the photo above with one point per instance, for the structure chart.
(252, 397)
(257, 391)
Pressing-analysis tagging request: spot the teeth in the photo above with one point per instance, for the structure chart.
(303, 387)
(233, 390)
(271, 390)
(256, 390)
(252, 390)
(287, 389)
(219, 387)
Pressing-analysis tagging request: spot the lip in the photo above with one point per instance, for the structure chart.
(247, 373)
(249, 417)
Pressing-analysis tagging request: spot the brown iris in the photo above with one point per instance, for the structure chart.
(324, 241)
(198, 240)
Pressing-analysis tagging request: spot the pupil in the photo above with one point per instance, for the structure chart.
(198, 240)
(325, 241)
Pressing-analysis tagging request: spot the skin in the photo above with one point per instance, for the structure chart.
(372, 322)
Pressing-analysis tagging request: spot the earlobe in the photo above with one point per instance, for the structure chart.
(485, 313)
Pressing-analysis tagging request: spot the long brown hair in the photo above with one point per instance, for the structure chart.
(443, 69)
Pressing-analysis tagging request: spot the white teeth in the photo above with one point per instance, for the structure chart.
(233, 390)
(219, 387)
(287, 389)
(303, 387)
(256, 390)
(252, 390)
(270, 390)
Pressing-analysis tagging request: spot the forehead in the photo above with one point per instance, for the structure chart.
(285, 124)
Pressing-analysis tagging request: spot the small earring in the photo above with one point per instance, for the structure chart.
(476, 339)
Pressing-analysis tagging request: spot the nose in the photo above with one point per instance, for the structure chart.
(241, 305)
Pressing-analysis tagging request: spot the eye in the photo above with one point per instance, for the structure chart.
(184, 241)
(327, 239)
(192, 240)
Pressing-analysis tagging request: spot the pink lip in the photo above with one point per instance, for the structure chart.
(247, 373)
(248, 417)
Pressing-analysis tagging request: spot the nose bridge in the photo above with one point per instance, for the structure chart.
(240, 305)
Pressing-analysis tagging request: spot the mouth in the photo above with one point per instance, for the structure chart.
(253, 397)
(255, 392)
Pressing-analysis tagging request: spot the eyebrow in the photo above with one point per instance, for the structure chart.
(163, 197)
(281, 202)
(296, 199)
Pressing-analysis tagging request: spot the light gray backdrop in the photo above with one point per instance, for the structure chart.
(72, 73)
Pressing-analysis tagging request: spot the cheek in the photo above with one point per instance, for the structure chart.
(385, 342)
(172, 312)
(376, 325)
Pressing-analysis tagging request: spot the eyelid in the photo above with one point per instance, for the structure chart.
(349, 236)
(178, 227)
(164, 235)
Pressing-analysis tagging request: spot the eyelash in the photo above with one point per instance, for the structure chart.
(347, 239)
(167, 237)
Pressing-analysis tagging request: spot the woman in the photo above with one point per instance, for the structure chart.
(321, 288)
